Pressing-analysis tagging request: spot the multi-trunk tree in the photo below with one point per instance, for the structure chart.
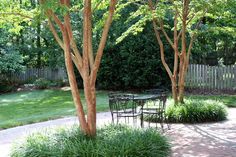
(183, 13)
(182, 18)
(87, 62)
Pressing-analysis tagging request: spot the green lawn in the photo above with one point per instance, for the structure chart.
(228, 100)
(33, 106)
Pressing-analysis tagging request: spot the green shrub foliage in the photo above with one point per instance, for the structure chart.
(194, 112)
(10, 62)
(42, 83)
(134, 63)
(111, 141)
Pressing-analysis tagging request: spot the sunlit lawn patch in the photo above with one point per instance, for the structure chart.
(34, 106)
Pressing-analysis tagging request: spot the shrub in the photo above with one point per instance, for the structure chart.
(111, 141)
(6, 88)
(58, 83)
(7, 85)
(42, 83)
(194, 112)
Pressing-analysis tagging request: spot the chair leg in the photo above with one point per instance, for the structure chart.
(156, 119)
(112, 117)
(134, 122)
(161, 122)
(167, 122)
(141, 120)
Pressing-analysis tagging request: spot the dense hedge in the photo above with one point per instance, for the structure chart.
(111, 141)
(133, 63)
(194, 112)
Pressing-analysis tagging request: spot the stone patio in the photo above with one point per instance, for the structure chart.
(199, 140)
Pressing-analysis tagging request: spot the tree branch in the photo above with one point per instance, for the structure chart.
(55, 34)
(103, 41)
(167, 37)
(193, 38)
(72, 41)
(17, 14)
(180, 33)
(50, 13)
(157, 34)
(191, 18)
(87, 20)
(97, 6)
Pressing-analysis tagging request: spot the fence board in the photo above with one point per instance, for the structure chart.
(211, 77)
(34, 73)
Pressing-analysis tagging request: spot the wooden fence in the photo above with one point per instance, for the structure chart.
(34, 73)
(211, 77)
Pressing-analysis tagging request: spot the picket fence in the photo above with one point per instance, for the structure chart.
(211, 77)
(198, 76)
(35, 73)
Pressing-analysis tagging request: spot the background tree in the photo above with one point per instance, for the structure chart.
(25, 30)
(187, 17)
(10, 62)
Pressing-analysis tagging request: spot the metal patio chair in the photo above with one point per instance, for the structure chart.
(123, 106)
(154, 111)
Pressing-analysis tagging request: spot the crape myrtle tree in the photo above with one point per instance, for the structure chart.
(183, 13)
(180, 18)
(58, 15)
(86, 62)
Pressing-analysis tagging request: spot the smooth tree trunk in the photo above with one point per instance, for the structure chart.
(181, 58)
(86, 62)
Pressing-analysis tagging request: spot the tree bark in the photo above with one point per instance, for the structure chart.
(73, 84)
(181, 60)
(175, 92)
(85, 64)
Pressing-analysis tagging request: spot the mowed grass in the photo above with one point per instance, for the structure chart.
(228, 100)
(22, 108)
(34, 106)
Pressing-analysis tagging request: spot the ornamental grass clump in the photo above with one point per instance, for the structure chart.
(197, 112)
(193, 112)
(111, 141)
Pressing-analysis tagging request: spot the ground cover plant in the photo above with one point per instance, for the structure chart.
(40, 105)
(193, 111)
(112, 140)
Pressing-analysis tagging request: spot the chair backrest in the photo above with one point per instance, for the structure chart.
(158, 103)
(156, 91)
(122, 103)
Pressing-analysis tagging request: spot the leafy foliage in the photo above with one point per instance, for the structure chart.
(13, 14)
(11, 61)
(194, 112)
(131, 36)
(41, 83)
(110, 141)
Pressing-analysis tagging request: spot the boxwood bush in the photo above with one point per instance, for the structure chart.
(193, 112)
(111, 141)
